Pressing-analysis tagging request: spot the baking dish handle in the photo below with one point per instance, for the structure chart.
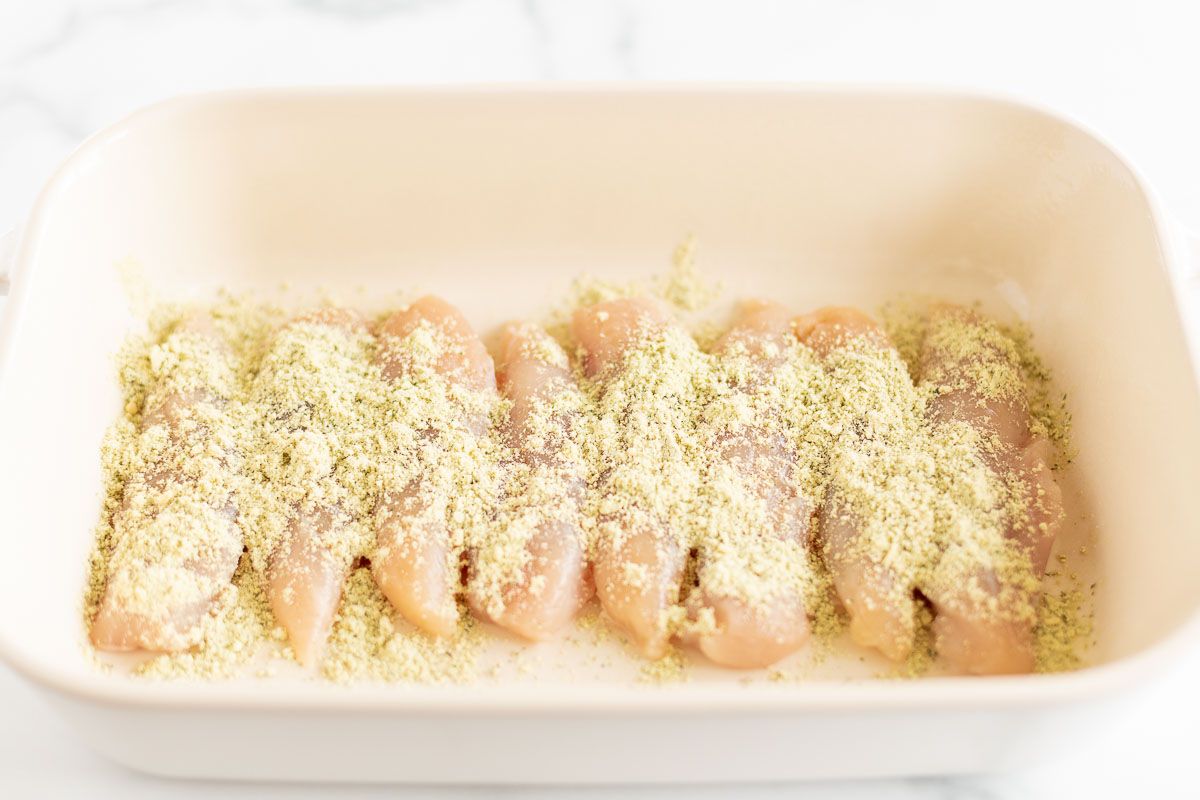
(8, 254)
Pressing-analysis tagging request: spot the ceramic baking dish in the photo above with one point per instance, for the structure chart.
(497, 198)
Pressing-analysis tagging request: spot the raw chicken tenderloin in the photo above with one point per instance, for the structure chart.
(882, 614)
(415, 565)
(746, 636)
(304, 581)
(554, 583)
(969, 635)
(638, 571)
(184, 548)
(304, 573)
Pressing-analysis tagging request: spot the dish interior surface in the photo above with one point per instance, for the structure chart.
(498, 201)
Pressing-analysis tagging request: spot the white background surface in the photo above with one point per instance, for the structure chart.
(1129, 70)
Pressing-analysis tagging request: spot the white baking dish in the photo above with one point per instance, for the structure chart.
(496, 198)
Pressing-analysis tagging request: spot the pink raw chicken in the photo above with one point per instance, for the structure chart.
(304, 576)
(968, 637)
(304, 581)
(880, 616)
(555, 583)
(116, 627)
(749, 637)
(606, 332)
(414, 565)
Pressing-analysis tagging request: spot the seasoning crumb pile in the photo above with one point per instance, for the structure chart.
(801, 486)
(368, 643)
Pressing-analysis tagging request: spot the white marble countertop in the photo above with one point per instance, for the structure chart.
(68, 69)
